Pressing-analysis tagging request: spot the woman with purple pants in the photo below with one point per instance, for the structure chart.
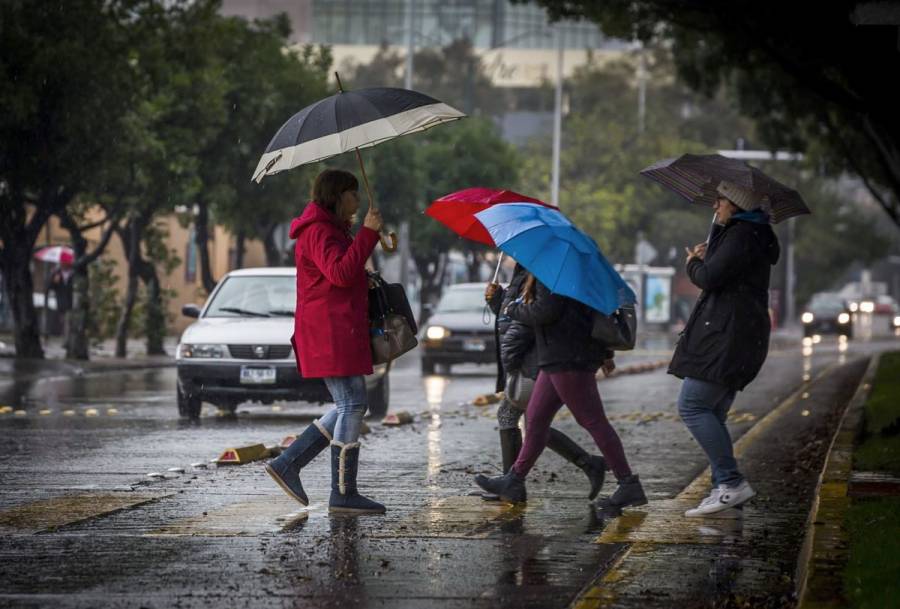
(568, 360)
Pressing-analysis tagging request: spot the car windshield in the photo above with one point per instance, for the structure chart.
(826, 305)
(462, 300)
(255, 296)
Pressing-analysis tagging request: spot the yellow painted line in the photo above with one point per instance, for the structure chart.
(53, 513)
(664, 521)
(270, 514)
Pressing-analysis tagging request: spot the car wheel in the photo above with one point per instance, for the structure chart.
(188, 406)
(379, 397)
(427, 366)
(446, 369)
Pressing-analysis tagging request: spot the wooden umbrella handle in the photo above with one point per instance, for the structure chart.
(392, 247)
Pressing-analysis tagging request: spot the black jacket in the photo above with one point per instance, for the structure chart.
(515, 340)
(562, 331)
(726, 339)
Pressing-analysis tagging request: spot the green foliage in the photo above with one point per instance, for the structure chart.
(880, 447)
(819, 89)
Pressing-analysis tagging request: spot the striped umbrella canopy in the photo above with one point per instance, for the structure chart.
(350, 120)
(60, 254)
(696, 176)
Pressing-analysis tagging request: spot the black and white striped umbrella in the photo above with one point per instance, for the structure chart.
(696, 176)
(348, 121)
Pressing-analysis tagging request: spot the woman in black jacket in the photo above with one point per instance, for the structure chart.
(517, 370)
(726, 339)
(568, 360)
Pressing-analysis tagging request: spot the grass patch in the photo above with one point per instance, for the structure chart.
(880, 448)
(870, 579)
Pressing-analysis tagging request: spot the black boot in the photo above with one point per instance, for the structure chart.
(509, 487)
(510, 445)
(344, 497)
(594, 466)
(285, 470)
(629, 493)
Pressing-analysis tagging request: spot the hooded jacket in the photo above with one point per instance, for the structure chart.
(331, 324)
(726, 338)
(562, 328)
(516, 345)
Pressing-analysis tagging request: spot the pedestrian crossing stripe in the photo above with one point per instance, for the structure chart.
(268, 514)
(51, 514)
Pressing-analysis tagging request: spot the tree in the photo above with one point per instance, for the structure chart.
(822, 89)
(65, 83)
(267, 84)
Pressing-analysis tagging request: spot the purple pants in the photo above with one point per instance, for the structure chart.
(578, 390)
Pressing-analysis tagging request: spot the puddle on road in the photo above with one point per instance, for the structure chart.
(464, 517)
(58, 512)
(270, 514)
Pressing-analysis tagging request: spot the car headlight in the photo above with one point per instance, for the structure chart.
(436, 332)
(807, 318)
(192, 351)
(897, 321)
(844, 318)
(867, 307)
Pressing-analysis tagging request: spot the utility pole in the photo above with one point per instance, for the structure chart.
(642, 90)
(557, 117)
(410, 45)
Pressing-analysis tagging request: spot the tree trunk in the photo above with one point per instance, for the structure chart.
(18, 237)
(155, 316)
(239, 249)
(130, 238)
(77, 346)
(473, 264)
(432, 269)
(274, 257)
(19, 288)
(201, 238)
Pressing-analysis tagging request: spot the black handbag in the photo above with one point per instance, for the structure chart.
(392, 326)
(616, 331)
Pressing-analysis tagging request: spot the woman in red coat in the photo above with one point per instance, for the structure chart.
(331, 335)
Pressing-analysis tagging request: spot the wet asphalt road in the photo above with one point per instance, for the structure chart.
(84, 526)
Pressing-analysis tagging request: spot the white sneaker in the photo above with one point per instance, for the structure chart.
(723, 498)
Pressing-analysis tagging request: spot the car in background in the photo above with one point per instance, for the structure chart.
(827, 313)
(239, 348)
(460, 330)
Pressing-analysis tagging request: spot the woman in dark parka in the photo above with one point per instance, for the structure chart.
(726, 339)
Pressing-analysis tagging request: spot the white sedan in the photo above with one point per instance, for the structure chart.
(239, 348)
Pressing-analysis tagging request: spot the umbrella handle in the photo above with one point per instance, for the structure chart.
(392, 247)
(392, 236)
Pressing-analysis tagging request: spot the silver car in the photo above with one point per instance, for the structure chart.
(239, 348)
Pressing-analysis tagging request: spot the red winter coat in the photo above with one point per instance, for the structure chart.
(331, 322)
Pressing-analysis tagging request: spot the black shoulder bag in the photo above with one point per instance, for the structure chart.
(392, 326)
(616, 331)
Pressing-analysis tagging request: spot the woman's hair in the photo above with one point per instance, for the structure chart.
(330, 185)
(527, 293)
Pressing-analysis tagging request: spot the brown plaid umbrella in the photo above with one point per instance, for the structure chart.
(696, 176)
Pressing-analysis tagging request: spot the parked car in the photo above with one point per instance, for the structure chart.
(239, 348)
(461, 330)
(827, 313)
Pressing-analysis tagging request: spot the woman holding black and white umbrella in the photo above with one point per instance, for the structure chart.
(331, 335)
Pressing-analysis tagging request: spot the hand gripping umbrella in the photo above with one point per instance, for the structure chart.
(351, 120)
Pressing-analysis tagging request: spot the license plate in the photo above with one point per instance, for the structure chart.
(474, 344)
(256, 375)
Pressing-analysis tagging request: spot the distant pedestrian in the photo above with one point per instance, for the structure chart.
(331, 335)
(726, 339)
(517, 371)
(61, 285)
(568, 360)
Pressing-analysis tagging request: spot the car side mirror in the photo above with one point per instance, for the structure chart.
(190, 310)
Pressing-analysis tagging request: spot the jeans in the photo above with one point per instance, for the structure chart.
(350, 402)
(703, 407)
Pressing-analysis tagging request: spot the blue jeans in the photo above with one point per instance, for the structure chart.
(350, 402)
(703, 407)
